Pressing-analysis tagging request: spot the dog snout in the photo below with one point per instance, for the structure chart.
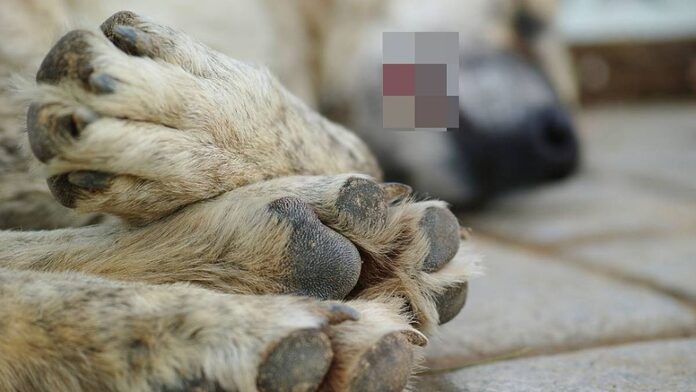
(540, 147)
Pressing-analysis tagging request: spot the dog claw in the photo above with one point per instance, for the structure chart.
(102, 83)
(394, 191)
(339, 312)
(131, 40)
(92, 180)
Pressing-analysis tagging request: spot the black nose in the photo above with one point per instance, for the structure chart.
(540, 147)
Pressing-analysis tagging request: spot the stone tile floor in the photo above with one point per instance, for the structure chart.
(590, 284)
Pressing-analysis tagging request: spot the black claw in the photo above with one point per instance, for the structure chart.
(451, 302)
(442, 229)
(92, 180)
(130, 40)
(102, 83)
(298, 363)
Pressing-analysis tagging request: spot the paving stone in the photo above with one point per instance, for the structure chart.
(583, 208)
(668, 365)
(650, 142)
(666, 261)
(527, 304)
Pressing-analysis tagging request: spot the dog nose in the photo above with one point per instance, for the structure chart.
(540, 147)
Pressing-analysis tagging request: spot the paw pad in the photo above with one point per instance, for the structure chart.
(91, 180)
(324, 264)
(362, 200)
(298, 363)
(451, 301)
(442, 229)
(386, 366)
(69, 58)
(45, 127)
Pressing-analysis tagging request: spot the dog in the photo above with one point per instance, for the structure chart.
(516, 85)
(256, 245)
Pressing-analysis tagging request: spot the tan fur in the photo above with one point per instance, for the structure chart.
(198, 147)
(73, 332)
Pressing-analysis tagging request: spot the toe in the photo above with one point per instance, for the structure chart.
(40, 125)
(362, 202)
(46, 126)
(121, 18)
(69, 58)
(451, 301)
(442, 229)
(386, 366)
(323, 263)
(297, 363)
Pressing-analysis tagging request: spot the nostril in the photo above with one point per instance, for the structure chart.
(557, 146)
(556, 136)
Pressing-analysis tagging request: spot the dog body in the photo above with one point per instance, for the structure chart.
(231, 195)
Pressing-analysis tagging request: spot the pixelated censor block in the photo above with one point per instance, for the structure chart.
(420, 85)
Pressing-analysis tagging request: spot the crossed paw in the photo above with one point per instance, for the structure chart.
(234, 185)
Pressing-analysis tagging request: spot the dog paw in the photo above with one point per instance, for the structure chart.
(407, 247)
(138, 120)
(345, 236)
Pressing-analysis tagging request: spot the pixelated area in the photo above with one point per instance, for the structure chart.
(420, 87)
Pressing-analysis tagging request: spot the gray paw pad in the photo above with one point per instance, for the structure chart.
(70, 58)
(324, 264)
(384, 367)
(451, 302)
(298, 363)
(363, 202)
(62, 190)
(92, 180)
(39, 127)
(442, 229)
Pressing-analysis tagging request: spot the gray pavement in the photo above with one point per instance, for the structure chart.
(590, 284)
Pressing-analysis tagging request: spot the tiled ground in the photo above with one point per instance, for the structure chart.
(590, 284)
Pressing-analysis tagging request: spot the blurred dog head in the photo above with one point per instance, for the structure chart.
(515, 85)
